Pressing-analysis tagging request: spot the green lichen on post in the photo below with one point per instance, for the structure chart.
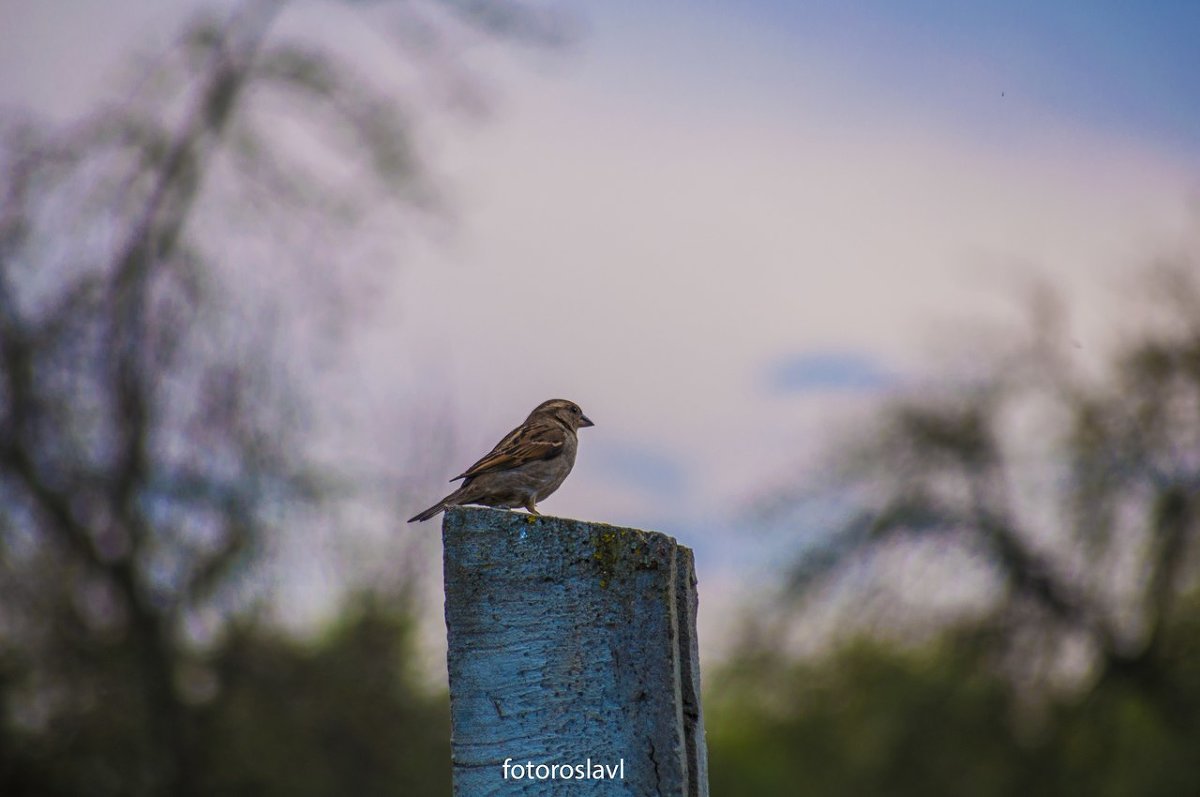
(606, 552)
(613, 546)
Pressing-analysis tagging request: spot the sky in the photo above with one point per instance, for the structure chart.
(726, 229)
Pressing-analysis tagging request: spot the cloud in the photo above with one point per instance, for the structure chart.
(828, 371)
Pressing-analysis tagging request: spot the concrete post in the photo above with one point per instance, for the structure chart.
(572, 657)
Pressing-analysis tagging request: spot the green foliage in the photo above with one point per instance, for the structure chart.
(874, 718)
(345, 717)
(865, 720)
(275, 716)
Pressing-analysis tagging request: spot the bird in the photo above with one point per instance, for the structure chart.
(526, 466)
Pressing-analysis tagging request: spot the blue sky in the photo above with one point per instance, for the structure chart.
(1124, 66)
(1005, 74)
(752, 207)
(1128, 67)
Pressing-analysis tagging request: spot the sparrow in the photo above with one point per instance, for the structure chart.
(526, 466)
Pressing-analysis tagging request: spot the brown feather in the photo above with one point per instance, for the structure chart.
(527, 443)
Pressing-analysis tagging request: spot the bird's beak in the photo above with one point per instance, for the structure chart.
(585, 421)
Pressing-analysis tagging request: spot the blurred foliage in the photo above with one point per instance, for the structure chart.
(877, 718)
(1066, 485)
(346, 716)
(152, 425)
(1070, 483)
(269, 715)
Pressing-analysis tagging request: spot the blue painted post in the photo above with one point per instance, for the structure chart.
(572, 657)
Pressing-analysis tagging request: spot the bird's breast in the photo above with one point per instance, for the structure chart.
(551, 472)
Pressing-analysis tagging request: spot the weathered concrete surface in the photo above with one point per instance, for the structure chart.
(571, 641)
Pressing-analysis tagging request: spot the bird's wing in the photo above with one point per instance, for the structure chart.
(522, 445)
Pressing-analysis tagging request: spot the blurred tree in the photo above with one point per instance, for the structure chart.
(865, 719)
(874, 717)
(346, 716)
(1066, 486)
(148, 427)
(1073, 485)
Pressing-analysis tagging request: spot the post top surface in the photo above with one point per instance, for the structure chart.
(501, 519)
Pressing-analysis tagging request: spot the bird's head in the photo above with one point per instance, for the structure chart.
(566, 412)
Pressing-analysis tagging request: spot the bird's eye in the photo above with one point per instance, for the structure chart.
(575, 410)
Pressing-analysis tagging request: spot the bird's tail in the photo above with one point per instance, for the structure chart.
(462, 495)
(430, 512)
